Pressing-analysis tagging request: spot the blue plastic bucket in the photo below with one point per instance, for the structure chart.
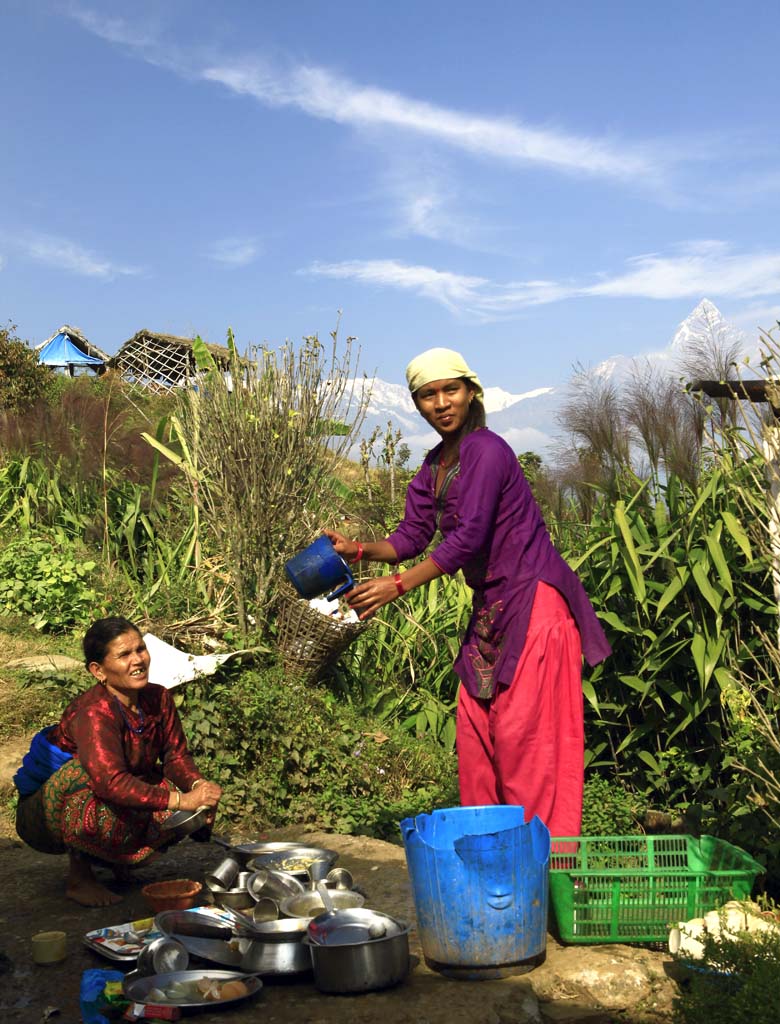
(319, 568)
(479, 880)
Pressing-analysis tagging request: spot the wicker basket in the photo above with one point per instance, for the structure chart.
(308, 639)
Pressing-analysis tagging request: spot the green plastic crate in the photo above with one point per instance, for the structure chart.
(632, 888)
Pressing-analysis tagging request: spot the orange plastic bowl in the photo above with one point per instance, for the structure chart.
(178, 894)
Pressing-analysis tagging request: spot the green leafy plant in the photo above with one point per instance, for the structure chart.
(608, 808)
(48, 580)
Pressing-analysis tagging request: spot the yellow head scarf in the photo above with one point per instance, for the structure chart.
(440, 364)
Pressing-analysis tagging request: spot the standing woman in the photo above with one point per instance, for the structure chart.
(100, 784)
(520, 727)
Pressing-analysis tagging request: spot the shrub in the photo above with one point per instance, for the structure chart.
(48, 580)
(288, 754)
(608, 809)
(22, 378)
(736, 982)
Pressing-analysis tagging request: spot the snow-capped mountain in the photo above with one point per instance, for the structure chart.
(705, 324)
(528, 421)
(704, 327)
(525, 420)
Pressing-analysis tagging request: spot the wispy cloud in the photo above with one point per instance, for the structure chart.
(699, 268)
(324, 94)
(693, 270)
(457, 292)
(114, 29)
(233, 252)
(66, 255)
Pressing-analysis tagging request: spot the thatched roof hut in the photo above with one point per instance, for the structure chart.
(162, 361)
(67, 349)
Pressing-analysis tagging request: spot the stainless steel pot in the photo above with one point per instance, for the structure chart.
(278, 948)
(347, 958)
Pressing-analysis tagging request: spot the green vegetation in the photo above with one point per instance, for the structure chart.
(736, 982)
(180, 510)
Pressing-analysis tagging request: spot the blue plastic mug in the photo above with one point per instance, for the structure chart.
(319, 568)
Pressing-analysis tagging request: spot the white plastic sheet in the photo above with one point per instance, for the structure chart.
(171, 667)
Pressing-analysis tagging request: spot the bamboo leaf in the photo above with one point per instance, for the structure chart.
(706, 589)
(649, 760)
(718, 559)
(630, 555)
(671, 591)
(734, 527)
(590, 695)
(612, 619)
(698, 650)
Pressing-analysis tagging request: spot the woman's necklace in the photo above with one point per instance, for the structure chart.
(137, 729)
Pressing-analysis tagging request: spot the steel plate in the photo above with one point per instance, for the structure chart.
(138, 988)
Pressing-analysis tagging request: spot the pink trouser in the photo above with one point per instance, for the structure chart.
(525, 745)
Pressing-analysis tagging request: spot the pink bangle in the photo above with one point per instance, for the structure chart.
(399, 584)
(359, 554)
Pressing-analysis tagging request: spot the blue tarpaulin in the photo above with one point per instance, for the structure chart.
(61, 351)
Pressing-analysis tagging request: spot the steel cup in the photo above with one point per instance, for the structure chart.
(224, 874)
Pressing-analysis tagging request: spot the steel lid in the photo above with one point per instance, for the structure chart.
(353, 927)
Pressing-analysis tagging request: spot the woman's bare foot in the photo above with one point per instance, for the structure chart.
(82, 886)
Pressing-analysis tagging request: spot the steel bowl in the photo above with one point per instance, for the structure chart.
(357, 951)
(233, 899)
(309, 904)
(183, 823)
(160, 956)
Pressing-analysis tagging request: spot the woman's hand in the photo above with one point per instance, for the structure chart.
(206, 794)
(367, 598)
(348, 549)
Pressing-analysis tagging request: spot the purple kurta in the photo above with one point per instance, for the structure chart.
(493, 531)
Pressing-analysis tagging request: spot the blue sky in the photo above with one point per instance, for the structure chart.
(537, 185)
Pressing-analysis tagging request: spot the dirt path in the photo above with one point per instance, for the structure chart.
(568, 986)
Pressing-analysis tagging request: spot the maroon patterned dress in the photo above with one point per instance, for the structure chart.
(111, 799)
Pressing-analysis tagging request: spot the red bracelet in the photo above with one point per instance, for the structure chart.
(399, 584)
(359, 554)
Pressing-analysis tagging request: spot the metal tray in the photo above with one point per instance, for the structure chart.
(138, 988)
(114, 944)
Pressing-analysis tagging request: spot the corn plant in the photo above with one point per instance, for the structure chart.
(683, 598)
